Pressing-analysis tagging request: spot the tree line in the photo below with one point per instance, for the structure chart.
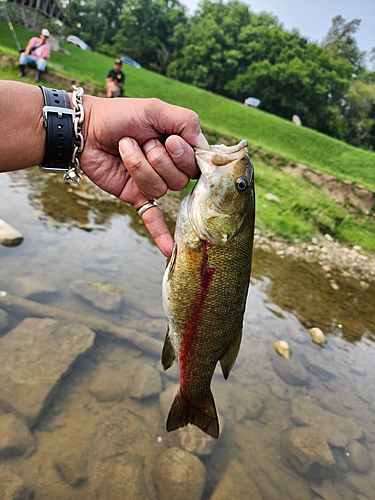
(228, 49)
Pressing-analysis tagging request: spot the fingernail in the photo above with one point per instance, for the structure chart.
(148, 145)
(175, 148)
(126, 145)
(202, 142)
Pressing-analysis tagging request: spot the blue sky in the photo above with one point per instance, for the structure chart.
(312, 18)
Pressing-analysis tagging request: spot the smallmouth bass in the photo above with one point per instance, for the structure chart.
(206, 281)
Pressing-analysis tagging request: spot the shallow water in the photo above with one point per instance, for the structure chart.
(68, 238)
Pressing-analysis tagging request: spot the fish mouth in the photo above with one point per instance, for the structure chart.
(220, 155)
(222, 148)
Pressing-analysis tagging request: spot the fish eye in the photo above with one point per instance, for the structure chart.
(242, 183)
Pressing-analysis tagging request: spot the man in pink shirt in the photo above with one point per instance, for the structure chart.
(36, 52)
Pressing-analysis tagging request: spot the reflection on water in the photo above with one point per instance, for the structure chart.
(298, 429)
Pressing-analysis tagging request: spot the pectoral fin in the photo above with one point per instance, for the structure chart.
(229, 358)
(171, 263)
(168, 355)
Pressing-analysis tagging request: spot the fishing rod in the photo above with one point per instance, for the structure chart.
(10, 25)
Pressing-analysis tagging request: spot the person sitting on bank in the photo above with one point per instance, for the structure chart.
(36, 52)
(115, 80)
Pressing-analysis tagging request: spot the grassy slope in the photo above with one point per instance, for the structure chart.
(304, 209)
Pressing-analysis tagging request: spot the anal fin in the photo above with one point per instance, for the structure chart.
(229, 358)
(168, 355)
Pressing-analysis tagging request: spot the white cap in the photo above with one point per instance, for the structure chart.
(45, 32)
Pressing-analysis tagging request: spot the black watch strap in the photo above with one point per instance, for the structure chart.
(59, 124)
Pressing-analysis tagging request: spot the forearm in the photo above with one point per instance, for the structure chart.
(22, 134)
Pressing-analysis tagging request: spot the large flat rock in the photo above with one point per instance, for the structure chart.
(339, 431)
(34, 357)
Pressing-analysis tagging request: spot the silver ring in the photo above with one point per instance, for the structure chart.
(149, 204)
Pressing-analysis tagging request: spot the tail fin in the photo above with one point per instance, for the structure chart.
(201, 413)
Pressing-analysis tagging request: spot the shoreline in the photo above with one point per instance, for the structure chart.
(330, 254)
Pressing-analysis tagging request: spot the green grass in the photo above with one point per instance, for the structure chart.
(304, 209)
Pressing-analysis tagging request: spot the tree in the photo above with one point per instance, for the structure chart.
(207, 54)
(95, 21)
(358, 111)
(341, 43)
(146, 31)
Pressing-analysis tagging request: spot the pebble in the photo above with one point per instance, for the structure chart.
(72, 469)
(9, 236)
(282, 348)
(317, 336)
(337, 257)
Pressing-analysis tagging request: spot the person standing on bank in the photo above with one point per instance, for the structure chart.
(115, 80)
(36, 52)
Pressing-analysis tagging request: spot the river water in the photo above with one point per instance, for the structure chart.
(294, 429)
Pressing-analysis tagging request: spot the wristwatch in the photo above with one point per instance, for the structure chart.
(59, 124)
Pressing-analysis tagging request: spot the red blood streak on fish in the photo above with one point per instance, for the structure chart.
(192, 324)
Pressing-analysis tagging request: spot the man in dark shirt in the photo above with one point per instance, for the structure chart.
(115, 80)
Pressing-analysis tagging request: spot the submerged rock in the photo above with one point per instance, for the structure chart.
(194, 440)
(72, 468)
(34, 357)
(307, 451)
(13, 487)
(326, 490)
(179, 475)
(15, 437)
(357, 457)
(105, 387)
(27, 287)
(246, 404)
(235, 484)
(100, 295)
(146, 383)
(4, 319)
(292, 372)
(339, 431)
(9, 236)
(123, 480)
(317, 366)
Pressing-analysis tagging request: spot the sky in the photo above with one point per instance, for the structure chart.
(312, 18)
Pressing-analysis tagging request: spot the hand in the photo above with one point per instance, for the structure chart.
(137, 149)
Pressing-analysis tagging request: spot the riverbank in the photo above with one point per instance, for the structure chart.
(331, 255)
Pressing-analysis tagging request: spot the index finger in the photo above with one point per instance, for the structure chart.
(169, 119)
(154, 221)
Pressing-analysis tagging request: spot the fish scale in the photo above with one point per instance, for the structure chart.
(206, 281)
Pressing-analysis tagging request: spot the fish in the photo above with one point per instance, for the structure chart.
(206, 281)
